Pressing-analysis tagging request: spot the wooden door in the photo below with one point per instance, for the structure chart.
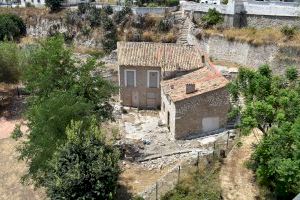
(135, 99)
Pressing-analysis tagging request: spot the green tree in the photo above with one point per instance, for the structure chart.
(10, 62)
(54, 5)
(61, 90)
(211, 18)
(291, 73)
(109, 41)
(277, 161)
(12, 27)
(86, 167)
(272, 104)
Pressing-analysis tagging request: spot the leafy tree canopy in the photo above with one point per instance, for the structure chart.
(211, 18)
(86, 167)
(272, 104)
(61, 90)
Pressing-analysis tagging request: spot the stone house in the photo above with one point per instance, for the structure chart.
(179, 80)
(195, 103)
(142, 66)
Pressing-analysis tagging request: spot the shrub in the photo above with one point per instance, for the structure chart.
(10, 62)
(29, 5)
(164, 25)
(151, 20)
(85, 30)
(85, 167)
(133, 36)
(121, 15)
(108, 10)
(17, 133)
(225, 2)
(148, 36)
(291, 73)
(12, 27)
(107, 23)
(211, 18)
(288, 31)
(54, 5)
(83, 8)
(95, 16)
(172, 2)
(169, 38)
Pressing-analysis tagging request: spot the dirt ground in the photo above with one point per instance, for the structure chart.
(237, 182)
(11, 170)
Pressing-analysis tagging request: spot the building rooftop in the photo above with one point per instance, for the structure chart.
(205, 80)
(165, 55)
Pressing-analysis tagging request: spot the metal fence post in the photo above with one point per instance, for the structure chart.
(178, 174)
(227, 139)
(198, 160)
(156, 191)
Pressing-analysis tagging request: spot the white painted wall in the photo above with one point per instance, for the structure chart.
(250, 7)
(36, 3)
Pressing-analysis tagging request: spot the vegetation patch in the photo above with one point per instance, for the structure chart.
(272, 104)
(257, 36)
(200, 184)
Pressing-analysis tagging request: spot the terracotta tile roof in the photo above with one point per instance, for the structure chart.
(165, 55)
(205, 80)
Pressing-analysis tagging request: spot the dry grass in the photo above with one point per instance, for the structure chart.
(31, 15)
(255, 36)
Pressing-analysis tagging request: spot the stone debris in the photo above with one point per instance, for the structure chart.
(150, 145)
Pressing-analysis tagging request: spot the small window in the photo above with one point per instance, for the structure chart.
(130, 78)
(39, 1)
(153, 79)
(203, 59)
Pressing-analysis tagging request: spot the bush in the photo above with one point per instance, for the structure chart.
(10, 62)
(108, 10)
(148, 36)
(291, 73)
(29, 5)
(172, 2)
(288, 31)
(85, 167)
(12, 27)
(211, 18)
(17, 133)
(54, 5)
(121, 15)
(83, 8)
(169, 38)
(164, 25)
(95, 16)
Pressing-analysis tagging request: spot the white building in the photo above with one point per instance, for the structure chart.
(36, 3)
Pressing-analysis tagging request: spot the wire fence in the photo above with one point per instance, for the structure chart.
(200, 161)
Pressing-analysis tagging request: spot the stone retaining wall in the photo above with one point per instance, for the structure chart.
(279, 57)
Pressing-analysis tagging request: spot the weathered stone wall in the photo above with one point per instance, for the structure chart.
(263, 21)
(277, 56)
(241, 53)
(190, 112)
(141, 89)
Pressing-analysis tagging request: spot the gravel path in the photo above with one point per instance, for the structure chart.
(237, 182)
